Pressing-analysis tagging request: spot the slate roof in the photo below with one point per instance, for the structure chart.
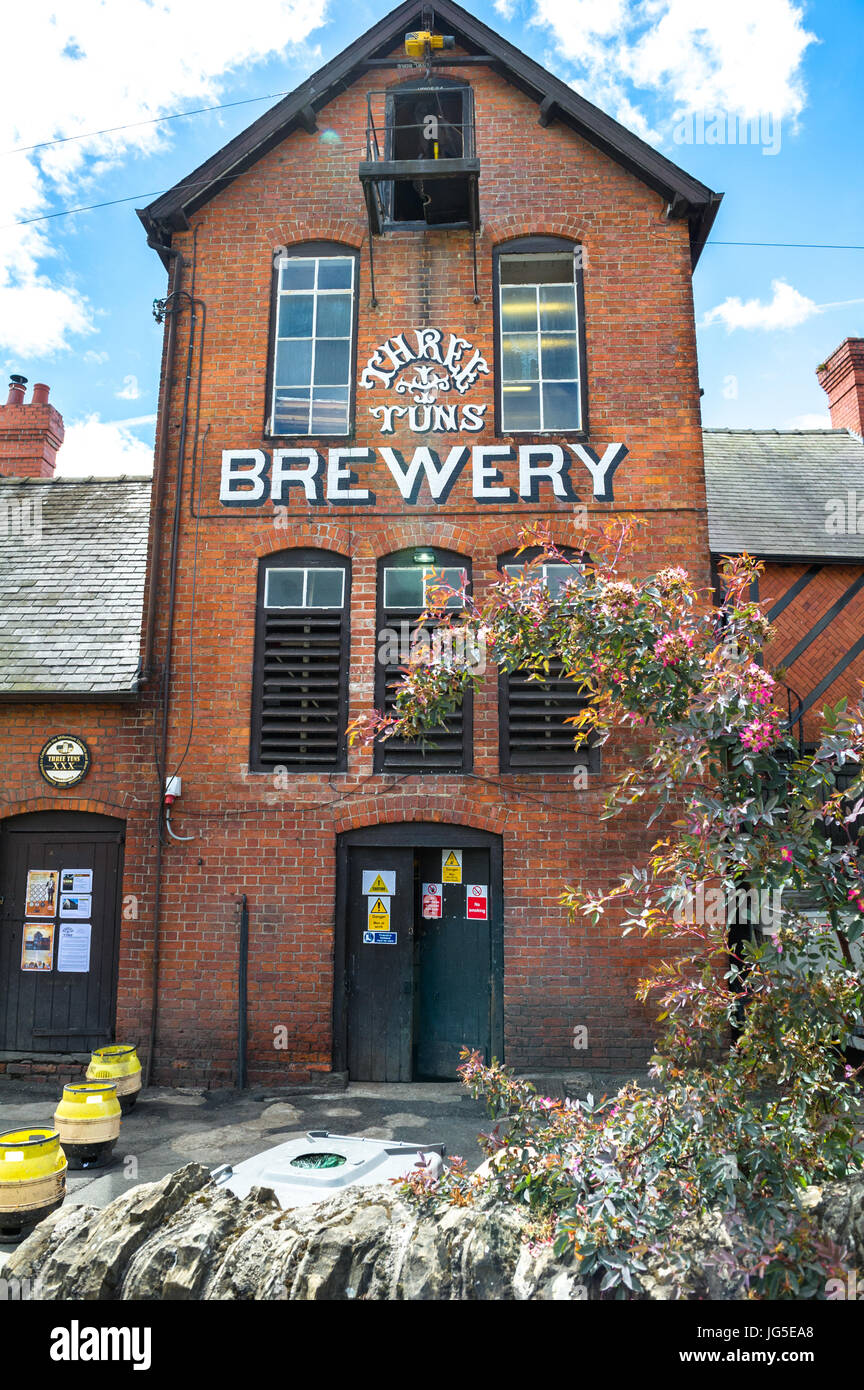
(72, 585)
(767, 492)
(686, 196)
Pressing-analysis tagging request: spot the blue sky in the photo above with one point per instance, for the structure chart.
(76, 291)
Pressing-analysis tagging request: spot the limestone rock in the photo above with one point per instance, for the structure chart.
(184, 1238)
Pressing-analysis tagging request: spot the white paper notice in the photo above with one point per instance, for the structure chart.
(76, 905)
(76, 880)
(73, 947)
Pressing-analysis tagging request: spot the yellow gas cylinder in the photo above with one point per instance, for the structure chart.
(88, 1122)
(32, 1179)
(118, 1063)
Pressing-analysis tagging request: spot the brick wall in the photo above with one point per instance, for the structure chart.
(277, 844)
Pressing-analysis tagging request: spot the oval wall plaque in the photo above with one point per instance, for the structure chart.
(64, 760)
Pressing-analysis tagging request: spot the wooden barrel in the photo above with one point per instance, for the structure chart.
(32, 1179)
(88, 1122)
(118, 1063)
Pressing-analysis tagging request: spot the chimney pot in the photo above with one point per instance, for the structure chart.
(16, 389)
(30, 435)
(841, 377)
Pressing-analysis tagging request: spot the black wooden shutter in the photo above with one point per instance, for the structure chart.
(448, 749)
(533, 735)
(300, 696)
(533, 732)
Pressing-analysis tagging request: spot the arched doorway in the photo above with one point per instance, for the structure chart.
(61, 876)
(418, 967)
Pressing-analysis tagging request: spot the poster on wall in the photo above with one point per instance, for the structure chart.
(37, 946)
(76, 905)
(41, 893)
(73, 947)
(76, 880)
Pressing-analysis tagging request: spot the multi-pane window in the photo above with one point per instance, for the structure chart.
(313, 348)
(541, 370)
(404, 592)
(533, 706)
(300, 693)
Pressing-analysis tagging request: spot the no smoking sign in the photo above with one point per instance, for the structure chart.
(477, 902)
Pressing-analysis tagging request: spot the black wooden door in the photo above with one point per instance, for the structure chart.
(453, 964)
(379, 968)
(56, 1009)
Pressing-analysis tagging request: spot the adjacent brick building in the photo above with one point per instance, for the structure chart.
(525, 351)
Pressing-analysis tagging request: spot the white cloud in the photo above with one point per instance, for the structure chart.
(787, 309)
(678, 56)
(68, 69)
(808, 422)
(130, 390)
(97, 448)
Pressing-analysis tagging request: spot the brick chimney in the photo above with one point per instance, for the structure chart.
(30, 434)
(842, 378)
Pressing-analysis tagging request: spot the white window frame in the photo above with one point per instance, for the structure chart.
(305, 570)
(414, 569)
(541, 379)
(316, 293)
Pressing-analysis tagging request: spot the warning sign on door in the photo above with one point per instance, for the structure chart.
(379, 881)
(433, 894)
(477, 901)
(379, 938)
(451, 865)
(379, 915)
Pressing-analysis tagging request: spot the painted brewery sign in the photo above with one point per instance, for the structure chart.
(430, 372)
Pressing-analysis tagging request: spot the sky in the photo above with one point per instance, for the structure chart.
(760, 99)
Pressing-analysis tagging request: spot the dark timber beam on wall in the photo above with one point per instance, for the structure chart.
(547, 111)
(827, 681)
(792, 592)
(307, 119)
(825, 621)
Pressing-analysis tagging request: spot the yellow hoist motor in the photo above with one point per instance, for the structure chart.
(422, 42)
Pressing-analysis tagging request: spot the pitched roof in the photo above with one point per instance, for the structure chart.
(73, 555)
(769, 491)
(686, 196)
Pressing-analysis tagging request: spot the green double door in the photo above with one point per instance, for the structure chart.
(419, 962)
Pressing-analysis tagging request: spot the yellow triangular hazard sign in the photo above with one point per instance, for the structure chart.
(379, 910)
(451, 862)
(379, 886)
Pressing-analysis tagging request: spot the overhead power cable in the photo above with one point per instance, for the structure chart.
(133, 125)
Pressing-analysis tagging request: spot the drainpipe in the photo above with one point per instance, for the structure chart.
(159, 464)
(242, 995)
(169, 637)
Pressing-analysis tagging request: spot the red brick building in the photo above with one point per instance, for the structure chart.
(418, 304)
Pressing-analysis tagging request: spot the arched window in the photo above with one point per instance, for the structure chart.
(403, 583)
(540, 337)
(313, 341)
(300, 686)
(533, 735)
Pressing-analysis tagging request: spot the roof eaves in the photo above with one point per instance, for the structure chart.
(687, 197)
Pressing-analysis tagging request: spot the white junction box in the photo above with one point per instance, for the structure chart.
(321, 1165)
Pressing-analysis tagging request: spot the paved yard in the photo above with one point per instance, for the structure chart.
(168, 1128)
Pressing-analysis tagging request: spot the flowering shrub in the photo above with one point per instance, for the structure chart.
(751, 1105)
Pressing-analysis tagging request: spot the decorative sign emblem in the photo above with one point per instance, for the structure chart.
(64, 760)
(426, 365)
